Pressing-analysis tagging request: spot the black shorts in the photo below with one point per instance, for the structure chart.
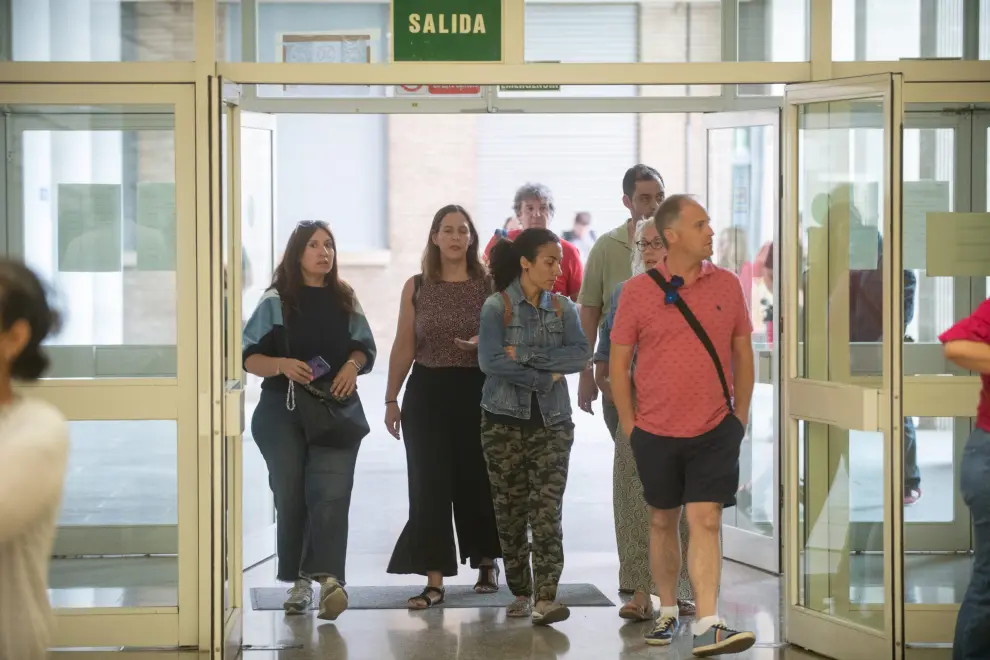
(675, 471)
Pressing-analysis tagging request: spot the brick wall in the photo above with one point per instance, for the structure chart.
(431, 163)
(156, 31)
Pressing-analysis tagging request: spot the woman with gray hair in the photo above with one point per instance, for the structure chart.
(632, 522)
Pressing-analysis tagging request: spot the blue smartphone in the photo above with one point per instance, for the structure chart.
(319, 367)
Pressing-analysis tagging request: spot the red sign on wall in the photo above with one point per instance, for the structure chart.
(438, 90)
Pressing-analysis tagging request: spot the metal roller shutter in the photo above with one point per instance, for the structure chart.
(580, 157)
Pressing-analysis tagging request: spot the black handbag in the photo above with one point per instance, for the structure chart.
(326, 420)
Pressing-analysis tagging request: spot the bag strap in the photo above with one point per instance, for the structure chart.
(699, 331)
(507, 304)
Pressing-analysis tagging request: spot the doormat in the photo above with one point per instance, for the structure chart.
(458, 596)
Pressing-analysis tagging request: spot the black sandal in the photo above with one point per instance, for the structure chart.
(425, 597)
(487, 579)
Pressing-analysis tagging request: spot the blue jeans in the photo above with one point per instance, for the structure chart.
(972, 641)
(912, 474)
(312, 488)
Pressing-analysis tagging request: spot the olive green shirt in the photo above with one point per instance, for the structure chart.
(609, 264)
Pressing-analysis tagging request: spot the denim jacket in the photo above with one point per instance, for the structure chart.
(545, 344)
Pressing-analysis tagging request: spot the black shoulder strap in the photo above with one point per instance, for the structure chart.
(417, 283)
(698, 330)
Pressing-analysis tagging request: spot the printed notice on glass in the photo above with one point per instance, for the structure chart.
(356, 47)
(89, 228)
(156, 226)
(958, 245)
(920, 199)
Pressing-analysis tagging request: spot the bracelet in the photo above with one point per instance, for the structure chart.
(357, 366)
(392, 401)
(278, 367)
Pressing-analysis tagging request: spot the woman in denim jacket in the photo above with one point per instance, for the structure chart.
(529, 339)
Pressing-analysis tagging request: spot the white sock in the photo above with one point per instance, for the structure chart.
(701, 626)
(672, 612)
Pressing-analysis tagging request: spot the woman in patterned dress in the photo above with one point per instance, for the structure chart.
(440, 416)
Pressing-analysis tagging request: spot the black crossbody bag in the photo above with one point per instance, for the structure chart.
(326, 420)
(692, 320)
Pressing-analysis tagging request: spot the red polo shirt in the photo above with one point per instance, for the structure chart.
(678, 393)
(569, 282)
(975, 327)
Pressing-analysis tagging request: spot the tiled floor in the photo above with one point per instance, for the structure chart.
(749, 598)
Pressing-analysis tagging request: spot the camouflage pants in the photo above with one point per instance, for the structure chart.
(527, 469)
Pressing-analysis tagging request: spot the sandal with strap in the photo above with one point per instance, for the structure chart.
(426, 598)
(634, 611)
(487, 579)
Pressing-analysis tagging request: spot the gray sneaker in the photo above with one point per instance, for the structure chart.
(719, 639)
(333, 600)
(300, 597)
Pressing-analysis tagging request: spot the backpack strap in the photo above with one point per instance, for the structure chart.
(507, 303)
(507, 314)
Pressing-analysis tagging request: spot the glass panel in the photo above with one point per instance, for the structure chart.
(835, 580)
(257, 228)
(985, 29)
(937, 575)
(840, 192)
(742, 195)
(118, 528)
(772, 31)
(94, 213)
(650, 31)
(890, 30)
(291, 31)
(930, 307)
(101, 31)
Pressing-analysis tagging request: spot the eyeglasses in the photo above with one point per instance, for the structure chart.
(656, 244)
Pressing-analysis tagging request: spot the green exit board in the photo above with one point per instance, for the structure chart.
(447, 30)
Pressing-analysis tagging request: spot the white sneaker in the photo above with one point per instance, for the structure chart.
(300, 597)
(333, 600)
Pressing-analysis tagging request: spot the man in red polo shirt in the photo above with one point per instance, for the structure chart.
(533, 204)
(686, 426)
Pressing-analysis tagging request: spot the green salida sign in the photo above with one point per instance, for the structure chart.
(447, 30)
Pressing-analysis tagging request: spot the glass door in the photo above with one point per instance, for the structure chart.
(743, 170)
(100, 203)
(247, 149)
(841, 394)
(252, 194)
(945, 169)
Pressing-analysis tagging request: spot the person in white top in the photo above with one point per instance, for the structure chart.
(34, 448)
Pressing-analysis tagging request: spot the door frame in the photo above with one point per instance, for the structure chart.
(841, 404)
(131, 398)
(740, 545)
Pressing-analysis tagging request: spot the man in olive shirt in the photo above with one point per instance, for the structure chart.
(608, 265)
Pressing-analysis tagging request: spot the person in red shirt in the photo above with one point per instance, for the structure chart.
(688, 323)
(967, 344)
(534, 207)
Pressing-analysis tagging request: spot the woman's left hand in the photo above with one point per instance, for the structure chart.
(345, 382)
